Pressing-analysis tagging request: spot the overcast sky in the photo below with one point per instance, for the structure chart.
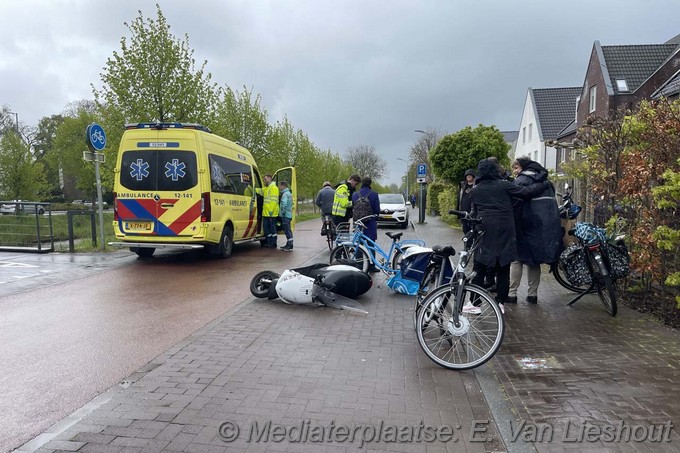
(345, 72)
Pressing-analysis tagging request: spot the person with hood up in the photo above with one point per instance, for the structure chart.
(464, 198)
(539, 233)
(492, 201)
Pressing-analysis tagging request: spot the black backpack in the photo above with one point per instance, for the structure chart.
(361, 208)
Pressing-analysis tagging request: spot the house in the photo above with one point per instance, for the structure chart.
(619, 77)
(547, 111)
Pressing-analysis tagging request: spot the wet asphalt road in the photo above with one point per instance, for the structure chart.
(72, 326)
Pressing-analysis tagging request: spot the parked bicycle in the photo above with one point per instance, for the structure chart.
(596, 262)
(459, 325)
(364, 251)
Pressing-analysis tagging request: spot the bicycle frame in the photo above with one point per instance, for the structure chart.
(594, 257)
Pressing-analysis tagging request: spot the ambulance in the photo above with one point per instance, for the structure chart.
(179, 186)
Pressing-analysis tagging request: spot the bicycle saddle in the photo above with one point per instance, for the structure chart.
(444, 250)
(394, 236)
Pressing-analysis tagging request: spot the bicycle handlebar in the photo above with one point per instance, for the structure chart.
(464, 215)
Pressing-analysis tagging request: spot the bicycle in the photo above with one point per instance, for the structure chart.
(328, 230)
(459, 325)
(595, 250)
(364, 251)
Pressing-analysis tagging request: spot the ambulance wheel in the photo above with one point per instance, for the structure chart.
(261, 283)
(226, 242)
(143, 252)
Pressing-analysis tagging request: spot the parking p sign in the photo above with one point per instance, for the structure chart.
(422, 171)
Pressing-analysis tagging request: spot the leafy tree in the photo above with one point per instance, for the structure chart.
(241, 118)
(42, 148)
(366, 161)
(21, 178)
(461, 150)
(153, 77)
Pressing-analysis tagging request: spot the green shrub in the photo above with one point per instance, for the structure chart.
(433, 191)
(447, 201)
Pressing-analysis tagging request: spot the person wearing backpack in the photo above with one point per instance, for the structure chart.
(366, 202)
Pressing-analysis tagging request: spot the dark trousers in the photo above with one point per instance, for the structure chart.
(270, 230)
(502, 278)
(285, 224)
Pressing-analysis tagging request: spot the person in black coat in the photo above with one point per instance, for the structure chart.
(539, 233)
(464, 197)
(492, 201)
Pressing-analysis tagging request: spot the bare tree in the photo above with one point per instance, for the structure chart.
(420, 150)
(366, 162)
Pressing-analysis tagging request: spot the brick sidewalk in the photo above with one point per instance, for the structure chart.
(267, 361)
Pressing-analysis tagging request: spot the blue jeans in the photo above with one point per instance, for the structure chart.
(269, 225)
(285, 224)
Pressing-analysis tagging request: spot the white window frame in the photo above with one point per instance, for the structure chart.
(592, 105)
(531, 127)
(524, 134)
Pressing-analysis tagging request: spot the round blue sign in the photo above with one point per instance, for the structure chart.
(95, 137)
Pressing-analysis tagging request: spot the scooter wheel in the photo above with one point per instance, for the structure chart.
(260, 284)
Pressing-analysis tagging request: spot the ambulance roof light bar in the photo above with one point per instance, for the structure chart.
(168, 125)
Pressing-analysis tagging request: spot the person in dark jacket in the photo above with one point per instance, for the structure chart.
(492, 201)
(539, 233)
(464, 198)
(324, 200)
(372, 224)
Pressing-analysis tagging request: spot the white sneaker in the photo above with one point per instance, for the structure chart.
(471, 309)
(502, 308)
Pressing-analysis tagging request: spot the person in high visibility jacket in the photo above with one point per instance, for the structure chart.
(342, 201)
(270, 211)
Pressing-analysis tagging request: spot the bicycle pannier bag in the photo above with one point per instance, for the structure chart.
(361, 208)
(573, 264)
(403, 285)
(619, 260)
(414, 263)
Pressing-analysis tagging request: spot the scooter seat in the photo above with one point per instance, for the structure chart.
(394, 236)
(444, 250)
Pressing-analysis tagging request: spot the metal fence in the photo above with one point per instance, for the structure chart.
(26, 226)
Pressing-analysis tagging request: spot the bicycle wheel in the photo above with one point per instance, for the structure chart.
(605, 285)
(468, 345)
(330, 235)
(558, 273)
(347, 253)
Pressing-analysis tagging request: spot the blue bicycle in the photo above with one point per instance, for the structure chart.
(364, 251)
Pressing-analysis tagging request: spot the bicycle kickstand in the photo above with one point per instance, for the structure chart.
(586, 291)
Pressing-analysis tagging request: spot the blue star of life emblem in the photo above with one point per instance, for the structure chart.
(139, 170)
(175, 169)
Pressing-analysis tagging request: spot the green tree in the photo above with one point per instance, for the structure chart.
(43, 141)
(241, 118)
(365, 161)
(153, 77)
(461, 150)
(21, 177)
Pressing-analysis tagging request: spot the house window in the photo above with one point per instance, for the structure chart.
(536, 156)
(593, 98)
(524, 134)
(622, 85)
(530, 128)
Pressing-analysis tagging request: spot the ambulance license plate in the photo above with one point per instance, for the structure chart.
(138, 226)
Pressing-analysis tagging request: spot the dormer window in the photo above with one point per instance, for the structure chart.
(621, 85)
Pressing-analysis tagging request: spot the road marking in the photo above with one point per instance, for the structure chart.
(13, 264)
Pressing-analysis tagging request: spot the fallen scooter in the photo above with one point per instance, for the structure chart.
(333, 286)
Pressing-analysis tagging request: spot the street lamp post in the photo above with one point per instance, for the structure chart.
(407, 191)
(422, 198)
(16, 115)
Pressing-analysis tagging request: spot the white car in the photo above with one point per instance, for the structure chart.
(393, 209)
(17, 207)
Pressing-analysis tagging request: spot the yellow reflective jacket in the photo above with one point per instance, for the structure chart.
(341, 200)
(270, 206)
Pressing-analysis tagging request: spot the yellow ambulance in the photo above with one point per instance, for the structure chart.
(179, 186)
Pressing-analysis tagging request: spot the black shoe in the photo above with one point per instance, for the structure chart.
(511, 300)
(373, 270)
(532, 299)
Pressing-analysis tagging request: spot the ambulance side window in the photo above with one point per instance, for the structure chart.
(229, 176)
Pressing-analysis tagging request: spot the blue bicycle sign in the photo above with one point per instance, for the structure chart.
(95, 137)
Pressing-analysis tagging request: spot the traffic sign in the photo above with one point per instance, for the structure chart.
(94, 157)
(422, 180)
(422, 170)
(95, 137)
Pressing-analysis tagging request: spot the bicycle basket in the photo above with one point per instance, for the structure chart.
(619, 260)
(414, 263)
(573, 264)
(589, 233)
(343, 233)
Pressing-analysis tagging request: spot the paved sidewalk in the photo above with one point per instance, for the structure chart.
(292, 366)
(564, 379)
